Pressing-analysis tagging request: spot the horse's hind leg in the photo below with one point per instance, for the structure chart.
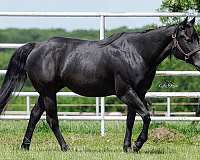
(52, 119)
(36, 113)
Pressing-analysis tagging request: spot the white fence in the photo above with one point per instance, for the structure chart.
(102, 16)
(101, 117)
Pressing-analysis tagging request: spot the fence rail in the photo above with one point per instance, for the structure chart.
(98, 14)
(99, 118)
(158, 73)
(167, 95)
(100, 102)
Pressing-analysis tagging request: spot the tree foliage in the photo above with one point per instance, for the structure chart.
(178, 6)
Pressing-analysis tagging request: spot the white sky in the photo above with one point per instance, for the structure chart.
(77, 5)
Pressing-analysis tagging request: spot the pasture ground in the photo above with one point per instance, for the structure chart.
(179, 140)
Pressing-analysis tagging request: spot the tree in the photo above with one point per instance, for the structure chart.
(178, 6)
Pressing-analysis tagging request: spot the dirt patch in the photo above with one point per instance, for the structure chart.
(196, 139)
(165, 134)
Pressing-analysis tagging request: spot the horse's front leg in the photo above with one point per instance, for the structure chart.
(131, 99)
(126, 93)
(129, 127)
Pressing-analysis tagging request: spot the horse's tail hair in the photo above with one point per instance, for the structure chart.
(15, 75)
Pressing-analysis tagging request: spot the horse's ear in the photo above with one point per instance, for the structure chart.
(192, 21)
(184, 23)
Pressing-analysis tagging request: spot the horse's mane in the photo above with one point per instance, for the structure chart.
(110, 39)
(147, 30)
(116, 36)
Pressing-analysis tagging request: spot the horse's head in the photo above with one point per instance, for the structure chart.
(186, 43)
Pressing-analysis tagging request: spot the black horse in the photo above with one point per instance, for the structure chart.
(123, 65)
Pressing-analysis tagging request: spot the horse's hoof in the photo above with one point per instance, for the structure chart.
(25, 147)
(65, 148)
(126, 149)
(135, 148)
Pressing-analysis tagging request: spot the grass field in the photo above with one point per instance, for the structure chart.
(183, 142)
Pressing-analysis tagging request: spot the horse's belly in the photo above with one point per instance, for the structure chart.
(92, 87)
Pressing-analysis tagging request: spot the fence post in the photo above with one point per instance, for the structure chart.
(97, 106)
(102, 116)
(102, 33)
(102, 27)
(168, 106)
(27, 105)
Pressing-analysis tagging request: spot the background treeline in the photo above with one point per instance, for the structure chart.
(13, 35)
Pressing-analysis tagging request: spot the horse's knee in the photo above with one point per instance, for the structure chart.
(146, 118)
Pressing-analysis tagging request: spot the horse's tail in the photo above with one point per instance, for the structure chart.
(15, 75)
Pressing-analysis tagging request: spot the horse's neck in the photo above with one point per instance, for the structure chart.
(160, 56)
(156, 45)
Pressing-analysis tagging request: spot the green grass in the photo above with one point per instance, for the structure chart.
(86, 143)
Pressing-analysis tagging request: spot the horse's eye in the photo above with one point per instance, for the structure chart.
(181, 28)
(186, 38)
